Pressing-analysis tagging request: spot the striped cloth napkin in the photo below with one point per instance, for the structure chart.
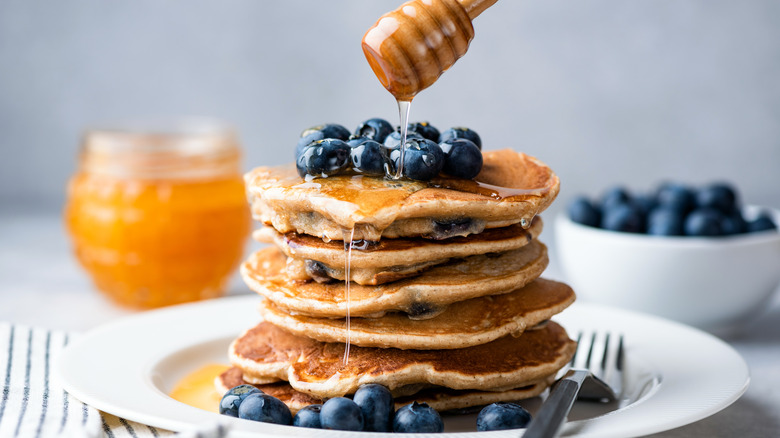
(34, 405)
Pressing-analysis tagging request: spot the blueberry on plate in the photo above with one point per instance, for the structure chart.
(417, 418)
(376, 403)
(376, 129)
(308, 417)
(502, 416)
(622, 217)
(369, 157)
(341, 413)
(265, 408)
(676, 196)
(320, 132)
(233, 398)
(582, 211)
(719, 196)
(704, 222)
(614, 196)
(393, 140)
(324, 158)
(762, 223)
(665, 221)
(461, 132)
(423, 159)
(425, 129)
(462, 158)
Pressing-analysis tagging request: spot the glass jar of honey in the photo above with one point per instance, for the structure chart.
(159, 216)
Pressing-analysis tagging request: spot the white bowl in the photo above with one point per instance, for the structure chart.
(716, 284)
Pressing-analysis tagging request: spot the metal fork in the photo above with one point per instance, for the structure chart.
(590, 377)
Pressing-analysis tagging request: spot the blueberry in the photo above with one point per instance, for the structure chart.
(376, 129)
(369, 157)
(423, 159)
(582, 211)
(341, 413)
(676, 196)
(308, 417)
(644, 202)
(502, 416)
(320, 132)
(263, 407)
(462, 158)
(733, 223)
(417, 418)
(704, 222)
(425, 129)
(622, 217)
(762, 223)
(665, 221)
(233, 398)
(614, 196)
(394, 139)
(720, 196)
(376, 403)
(461, 132)
(324, 158)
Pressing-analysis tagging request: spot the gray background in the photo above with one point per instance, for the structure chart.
(605, 91)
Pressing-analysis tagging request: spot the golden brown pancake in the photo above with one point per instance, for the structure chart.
(319, 369)
(439, 398)
(373, 263)
(422, 296)
(462, 324)
(511, 188)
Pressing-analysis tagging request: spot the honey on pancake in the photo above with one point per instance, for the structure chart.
(367, 194)
(197, 388)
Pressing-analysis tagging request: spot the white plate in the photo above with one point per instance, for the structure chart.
(675, 374)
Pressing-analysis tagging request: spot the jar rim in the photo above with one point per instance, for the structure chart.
(176, 148)
(184, 135)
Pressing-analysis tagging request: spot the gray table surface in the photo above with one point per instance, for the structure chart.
(42, 285)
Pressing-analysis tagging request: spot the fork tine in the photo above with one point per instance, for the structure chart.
(590, 350)
(579, 345)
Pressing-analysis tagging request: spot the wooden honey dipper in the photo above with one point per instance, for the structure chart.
(409, 48)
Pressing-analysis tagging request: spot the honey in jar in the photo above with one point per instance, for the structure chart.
(159, 217)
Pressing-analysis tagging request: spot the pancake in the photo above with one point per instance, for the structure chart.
(511, 188)
(318, 368)
(421, 297)
(373, 263)
(462, 324)
(441, 399)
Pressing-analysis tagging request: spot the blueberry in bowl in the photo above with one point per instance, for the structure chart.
(703, 258)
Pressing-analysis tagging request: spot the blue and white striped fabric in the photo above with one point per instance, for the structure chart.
(34, 405)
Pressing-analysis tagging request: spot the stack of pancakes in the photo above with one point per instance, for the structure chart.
(429, 288)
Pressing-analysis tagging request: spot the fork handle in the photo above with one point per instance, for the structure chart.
(548, 421)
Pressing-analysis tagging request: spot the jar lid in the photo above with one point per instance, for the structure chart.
(179, 149)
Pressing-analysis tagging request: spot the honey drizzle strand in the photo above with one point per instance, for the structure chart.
(348, 244)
